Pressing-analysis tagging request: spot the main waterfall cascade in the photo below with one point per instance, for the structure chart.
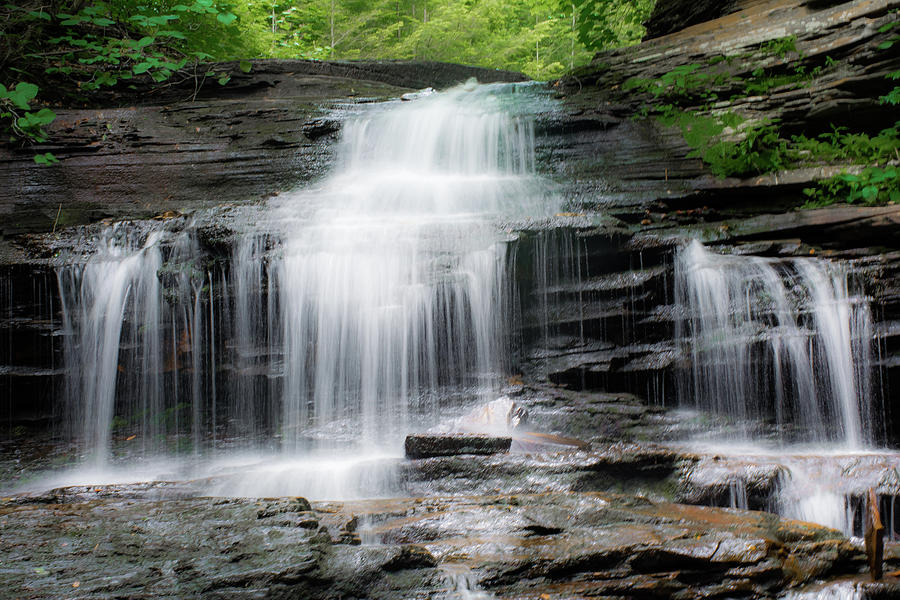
(349, 309)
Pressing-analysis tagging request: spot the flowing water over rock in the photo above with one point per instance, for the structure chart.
(777, 339)
(349, 312)
(286, 348)
(789, 342)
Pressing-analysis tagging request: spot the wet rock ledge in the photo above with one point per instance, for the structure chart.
(139, 156)
(80, 542)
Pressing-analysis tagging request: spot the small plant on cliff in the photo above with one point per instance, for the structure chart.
(780, 47)
(893, 96)
(873, 185)
(759, 149)
(682, 84)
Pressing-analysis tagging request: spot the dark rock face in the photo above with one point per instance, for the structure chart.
(675, 15)
(452, 444)
(641, 163)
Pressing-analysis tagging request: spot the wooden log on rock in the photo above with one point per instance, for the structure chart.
(874, 536)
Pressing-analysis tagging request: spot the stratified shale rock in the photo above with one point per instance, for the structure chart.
(118, 544)
(452, 444)
(144, 154)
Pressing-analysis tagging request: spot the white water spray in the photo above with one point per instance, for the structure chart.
(348, 309)
(782, 339)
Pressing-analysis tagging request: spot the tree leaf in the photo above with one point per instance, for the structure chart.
(245, 66)
(172, 34)
(226, 18)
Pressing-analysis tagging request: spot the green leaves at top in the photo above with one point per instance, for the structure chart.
(20, 96)
(226, 18)
(605, 23)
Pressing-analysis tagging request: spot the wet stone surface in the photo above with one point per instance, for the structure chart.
(116, 544)
(452, 444)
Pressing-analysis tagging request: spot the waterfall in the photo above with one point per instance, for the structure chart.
(772, 339)
(96, 302)
(392, 276)
(135, 341)
(783, 342)
(345, 311)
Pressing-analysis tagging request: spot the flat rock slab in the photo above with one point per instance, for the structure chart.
(113, 543)
(452, 444)
(577, 545)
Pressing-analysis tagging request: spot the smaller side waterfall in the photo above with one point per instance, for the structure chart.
(781, 340)
(95, 299)
(130, 355)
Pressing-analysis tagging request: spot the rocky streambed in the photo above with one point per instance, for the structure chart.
(117, 543)
(542, 521)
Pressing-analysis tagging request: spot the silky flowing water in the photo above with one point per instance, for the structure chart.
(789, 343)
(350, 312)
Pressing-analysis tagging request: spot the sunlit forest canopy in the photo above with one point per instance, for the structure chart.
(542, 38)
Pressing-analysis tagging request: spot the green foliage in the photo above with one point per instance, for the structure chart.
(780, 47)
(893, 96)
(103, 43)
(759, 150)
(889, 43)
(19, 122)
(839, 145)
(46, 158)
(762, 81)
(610, 23)
(682, 84)
(873, 185)
(695, 83)
(542, 38)
(97, 44)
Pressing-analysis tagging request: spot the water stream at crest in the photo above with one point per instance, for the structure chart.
(349, 311)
